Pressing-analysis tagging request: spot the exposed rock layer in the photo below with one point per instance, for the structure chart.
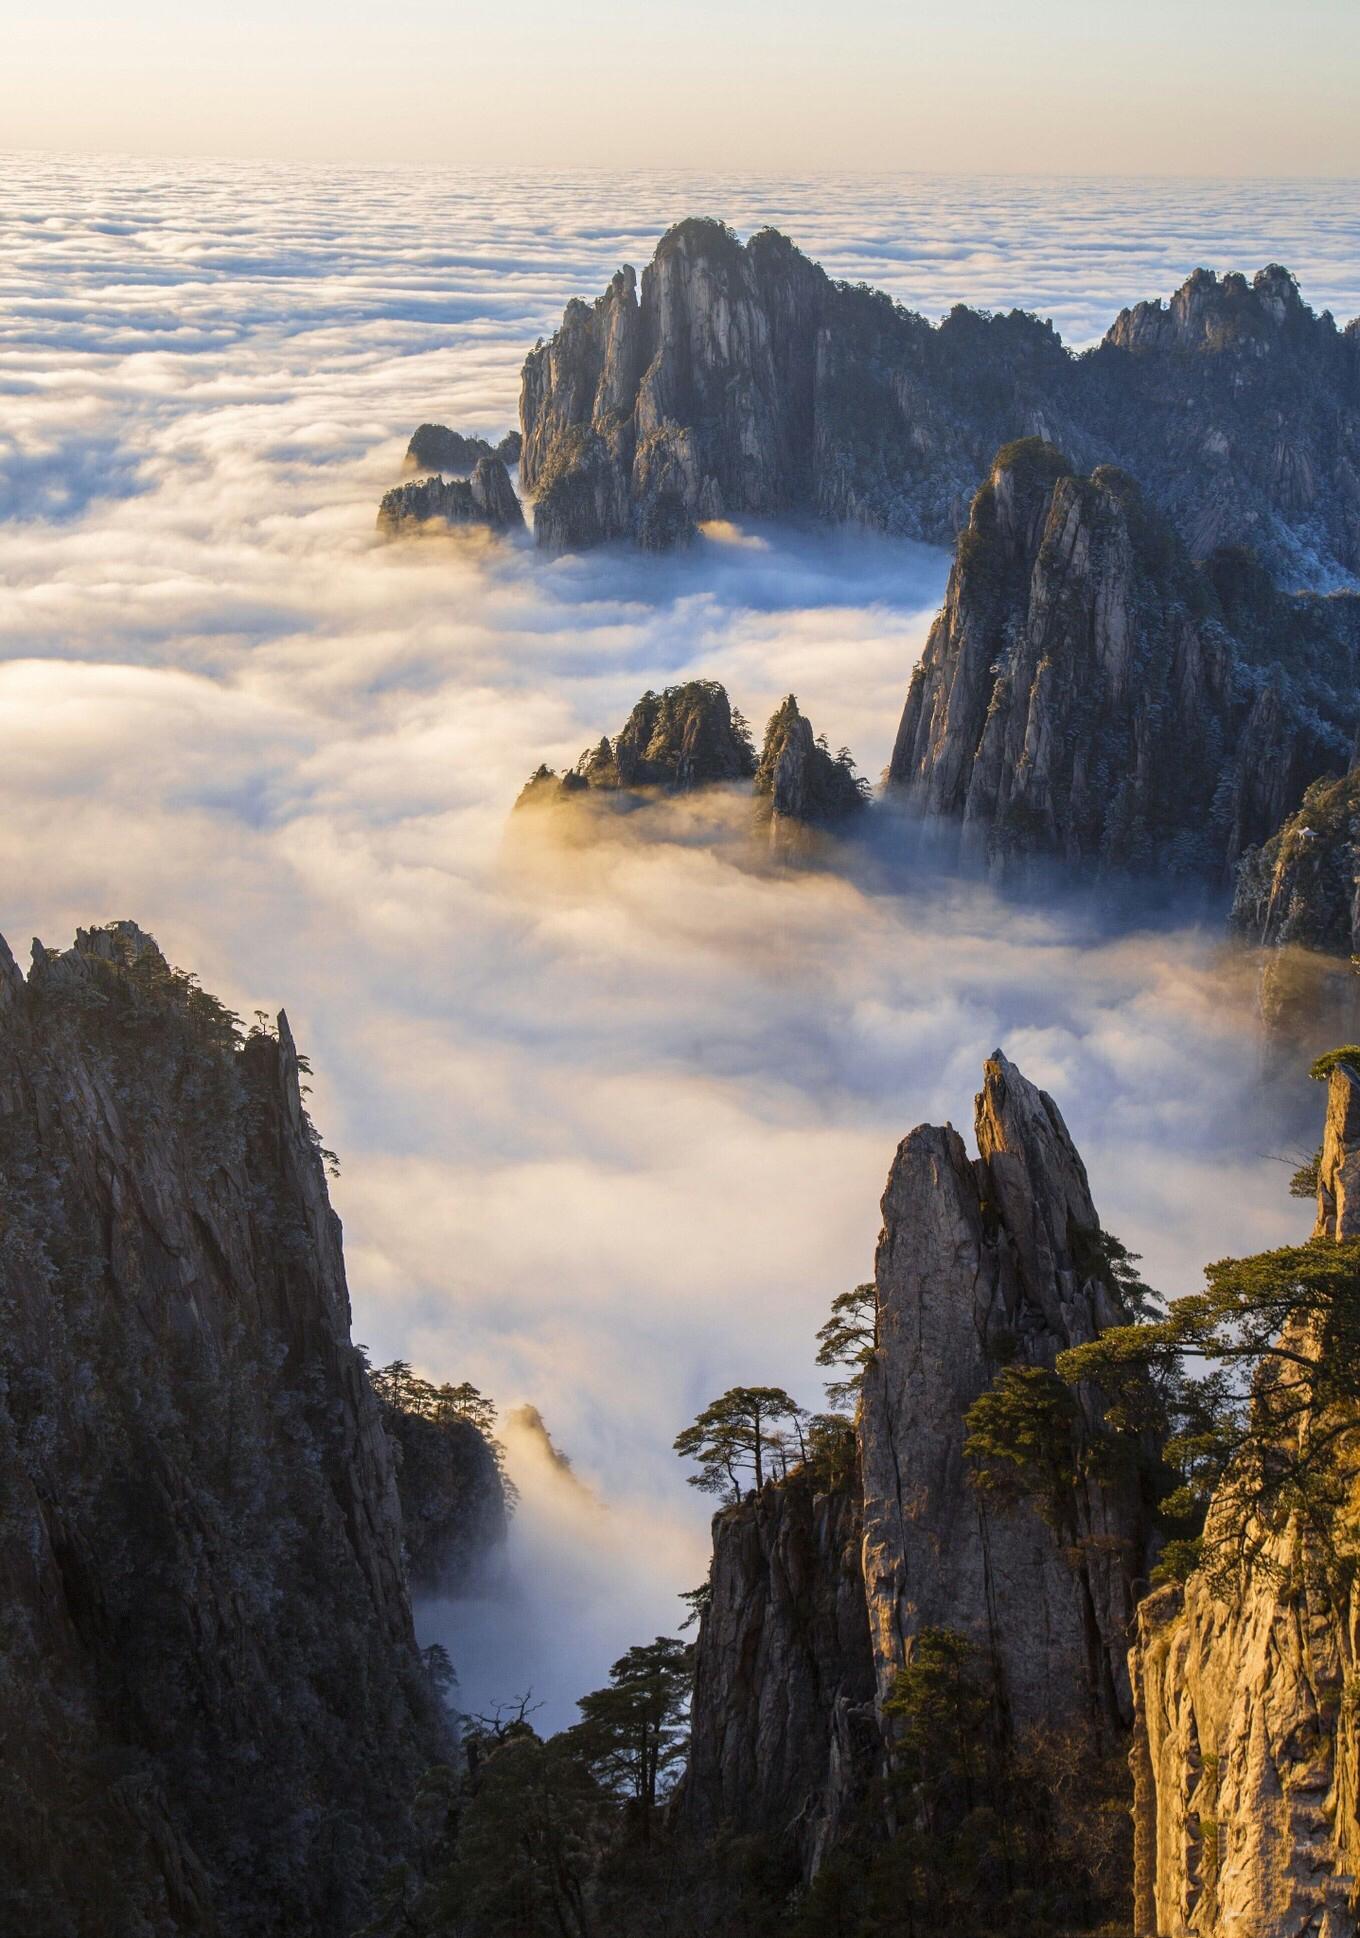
(212, 1705)
(742, 379)
(1247, 1746)
(1088, 693)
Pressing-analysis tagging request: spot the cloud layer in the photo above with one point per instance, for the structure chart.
(614, 1120)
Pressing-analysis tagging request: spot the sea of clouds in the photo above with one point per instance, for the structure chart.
(613, 1120)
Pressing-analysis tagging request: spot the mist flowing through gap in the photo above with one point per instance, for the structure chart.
(613, 1122)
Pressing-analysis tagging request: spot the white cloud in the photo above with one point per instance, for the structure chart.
(614, 1120)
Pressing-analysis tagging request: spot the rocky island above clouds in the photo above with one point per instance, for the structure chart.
(741, 380)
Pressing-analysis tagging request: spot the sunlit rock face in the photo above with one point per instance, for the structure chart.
(801, 787)
(486, 498)
(1089, 693)
(784, 1734)
(675, 741)
(821, 1585)
(743, 380)
(213, 1706)
(1298, 898)
(1246, 1753)
(982, 1263)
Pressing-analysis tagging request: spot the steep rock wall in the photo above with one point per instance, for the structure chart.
(816, 1597)
(1083, 696)
(1246, 1753)
(982, 1263)
(1297, 898)
(212, 1705)
(783, 1729)
(744, 380)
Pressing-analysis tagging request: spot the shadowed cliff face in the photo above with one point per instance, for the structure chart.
(783, 1730)
(1088, 693)
(1246, 1753)
(983, 1263)
(213, 1706)
(745, 381)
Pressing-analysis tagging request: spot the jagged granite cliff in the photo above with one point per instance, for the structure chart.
(800, 785)
(1246, 1754)
(455, 1504)
(690, 737)
(212, 1706)
(982, 1263)
(783, 1728)
(1087, 692)
(682, 738)
(819, 1590)
(486, 498)
(742, 379)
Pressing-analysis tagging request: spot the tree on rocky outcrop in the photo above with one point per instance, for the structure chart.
(1272, 1430)
(685, 737)
(799, 780)
(456, 1495)
(992, 1833)
(848, 1339)
(744, 1433)
(1023, 1439)
(633, 1733)
(1281, 1331)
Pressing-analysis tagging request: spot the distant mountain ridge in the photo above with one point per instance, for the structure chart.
(741, 379)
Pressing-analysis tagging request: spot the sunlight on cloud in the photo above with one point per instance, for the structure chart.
(614, 1115)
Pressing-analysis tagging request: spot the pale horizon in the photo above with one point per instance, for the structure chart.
(1055, 89)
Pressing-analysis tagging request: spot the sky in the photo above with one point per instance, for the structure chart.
(613, 1119)
(1224, 87)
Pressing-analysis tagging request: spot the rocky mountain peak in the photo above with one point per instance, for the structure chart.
(979, 1265)
(1081, 694)
(1209, 314)
(822, 1582)
(1038, 1182)
(1012, 505)
(743, 380)
(684, 737)
(799, 784)
(434, 447)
